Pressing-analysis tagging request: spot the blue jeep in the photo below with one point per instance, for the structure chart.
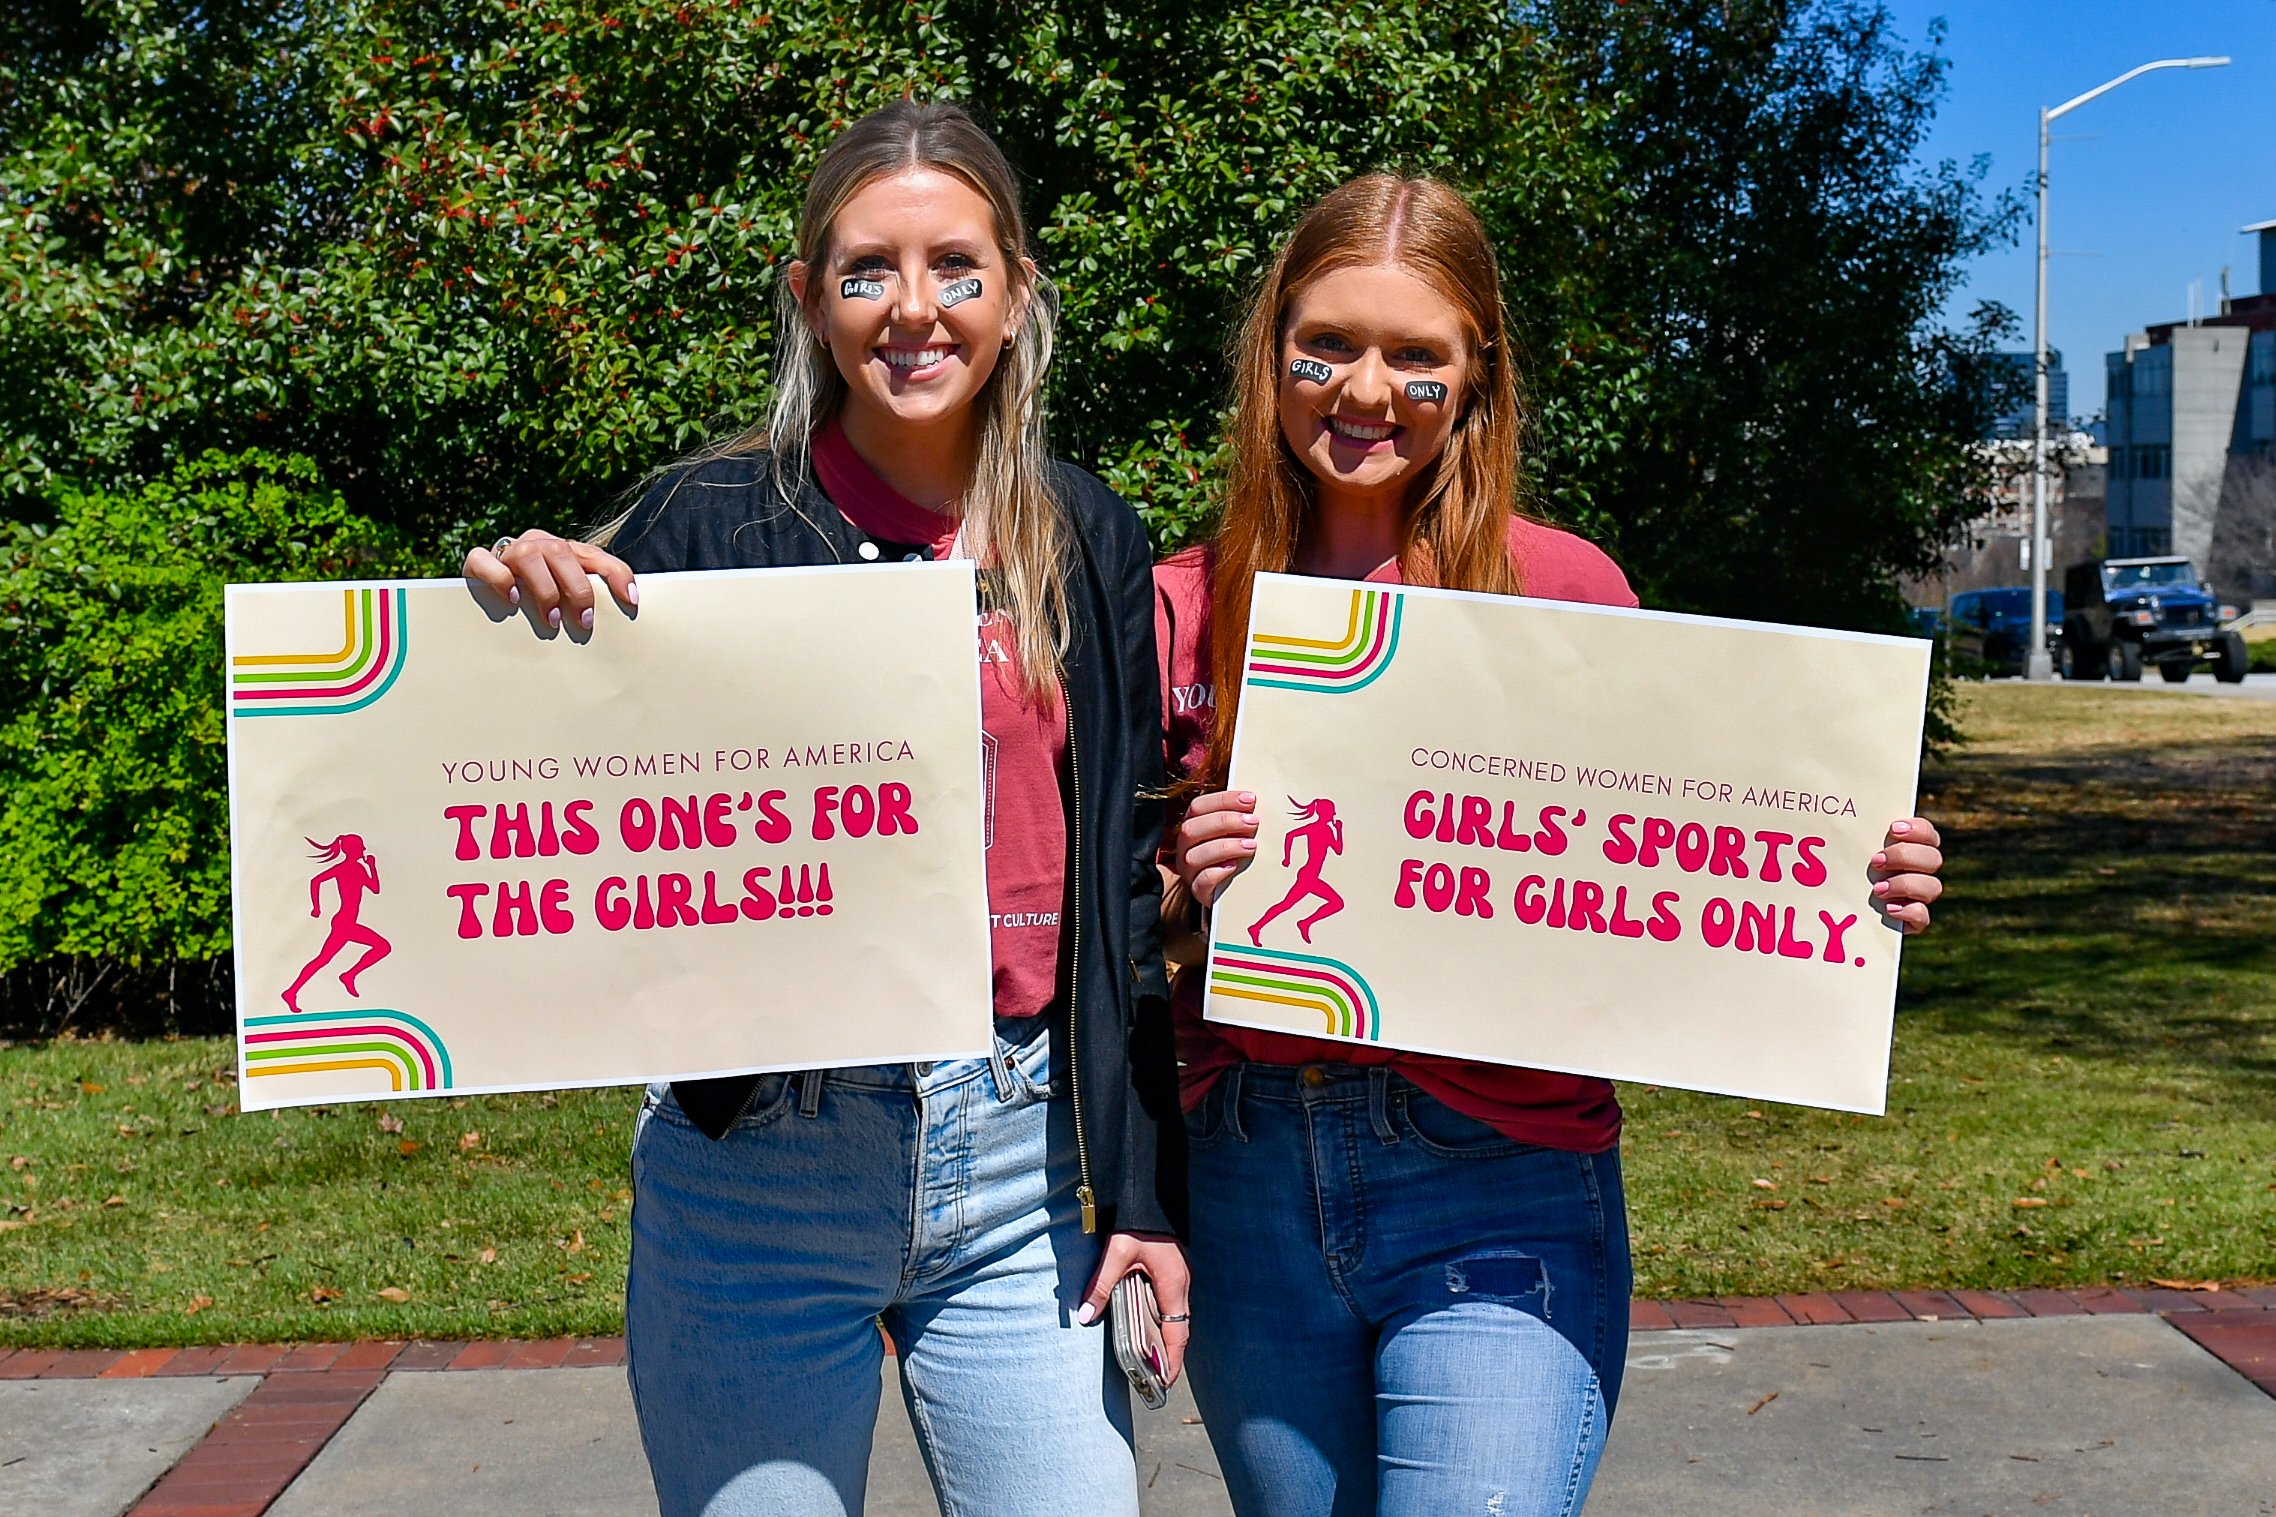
(1991, 629)
(2123, 613)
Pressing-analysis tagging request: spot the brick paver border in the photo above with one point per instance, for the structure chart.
(308, 1391)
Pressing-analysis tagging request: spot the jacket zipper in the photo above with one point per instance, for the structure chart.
(1084, 1195)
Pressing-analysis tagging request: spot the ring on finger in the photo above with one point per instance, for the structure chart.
(498, 548)
(1177, 1316)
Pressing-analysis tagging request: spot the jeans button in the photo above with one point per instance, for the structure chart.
(924, 1069)
(1315, 1076)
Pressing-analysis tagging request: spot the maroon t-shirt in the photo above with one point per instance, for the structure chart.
(1578, 1113)
(1023, 750)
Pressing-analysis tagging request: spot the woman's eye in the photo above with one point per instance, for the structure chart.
(1328, 342)
(959, 262)
(1420, 357)
(871, 263)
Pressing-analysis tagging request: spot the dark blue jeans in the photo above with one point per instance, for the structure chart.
(1397, 1311)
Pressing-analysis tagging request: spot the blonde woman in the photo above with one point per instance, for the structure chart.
(1410, 1273)
(982, 1211)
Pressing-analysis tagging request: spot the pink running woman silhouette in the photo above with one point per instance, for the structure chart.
(1322, 833)
(355, 872)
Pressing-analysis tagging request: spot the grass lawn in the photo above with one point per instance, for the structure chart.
(2084, 1092)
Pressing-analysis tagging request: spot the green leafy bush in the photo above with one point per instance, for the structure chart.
(113, 811)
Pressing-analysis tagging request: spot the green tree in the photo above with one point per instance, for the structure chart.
(1806, 432)
(113, 810)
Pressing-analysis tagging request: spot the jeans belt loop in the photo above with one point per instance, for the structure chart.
(809, 1092)
(1001, 1068)
(1379, 1103)
(1231, 1096)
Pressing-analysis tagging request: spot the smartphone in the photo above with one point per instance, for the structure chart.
(1138, 1345)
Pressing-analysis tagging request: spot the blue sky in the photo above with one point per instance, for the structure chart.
(2149, 183)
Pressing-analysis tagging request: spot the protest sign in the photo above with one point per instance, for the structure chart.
(740, 829)
(1568, 837)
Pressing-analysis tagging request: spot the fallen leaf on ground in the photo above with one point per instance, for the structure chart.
(197, 1304)
(467, 1140)
(2188, 1285)
(1764, 1184)
(406, 1148)
(394, 1293)
(322, 1294)
(2030, 1201)
(489, 1256)
(89, 1087)
(114, 1200)
(1759, 1405)
(390, 1124)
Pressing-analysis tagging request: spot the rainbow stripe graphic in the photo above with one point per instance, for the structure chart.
(1305, 981)
(1332, 665)
(349, 678)
(401, 1045)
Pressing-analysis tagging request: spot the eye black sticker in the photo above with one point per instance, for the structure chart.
(961, 291)
(861, 289)
(1310, 368)
(1426, 390)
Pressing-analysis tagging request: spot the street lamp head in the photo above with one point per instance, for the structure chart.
(2205, 62)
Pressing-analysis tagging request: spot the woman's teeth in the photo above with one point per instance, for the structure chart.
(917, 358)
(1359, 431)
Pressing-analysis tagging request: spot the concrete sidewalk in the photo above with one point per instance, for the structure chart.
(2056, 1414)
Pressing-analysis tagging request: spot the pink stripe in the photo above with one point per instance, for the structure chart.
(1366, 662)
(311, 1034)
(378, 666)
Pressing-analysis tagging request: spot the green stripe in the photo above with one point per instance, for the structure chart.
(330, 676)
(1310, 987)
(414, 1078)
(1332, 660)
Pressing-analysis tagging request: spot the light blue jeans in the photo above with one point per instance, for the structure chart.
(1397, 1311)
(937, 1199)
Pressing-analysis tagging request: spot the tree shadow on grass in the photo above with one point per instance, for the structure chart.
(2117, 906)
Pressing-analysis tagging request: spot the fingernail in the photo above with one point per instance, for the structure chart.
(1880, 887)
(1086, 1314)
(513, 595)
(1248, 798)
(553, 617)
(585, 618)
(1248, 821)
(1250, 844)
(1900, 827)
(632, 594)
(1880, 861)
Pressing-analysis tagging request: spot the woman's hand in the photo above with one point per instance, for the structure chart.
(1904, 872)
(1216, 841)
(1161, 1259)
(552, 576)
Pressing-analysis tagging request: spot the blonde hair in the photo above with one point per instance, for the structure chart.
(1457, 527)
(1012, 524)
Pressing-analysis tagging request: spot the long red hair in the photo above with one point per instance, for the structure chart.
(1457, 531)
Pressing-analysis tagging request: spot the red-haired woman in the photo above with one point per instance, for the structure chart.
(1410, 1273)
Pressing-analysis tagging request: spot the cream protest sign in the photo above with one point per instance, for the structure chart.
(739, 830)
(1580, 838)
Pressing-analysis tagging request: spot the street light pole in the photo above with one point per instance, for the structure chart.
(2039, 666)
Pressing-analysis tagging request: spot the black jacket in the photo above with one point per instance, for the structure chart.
(728, 514)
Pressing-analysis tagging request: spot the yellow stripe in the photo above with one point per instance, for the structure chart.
(394, 1070)
(348, 644)
(1350, 633)
(1325, 1008)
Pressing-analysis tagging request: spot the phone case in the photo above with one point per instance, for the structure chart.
(1137, 1329)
